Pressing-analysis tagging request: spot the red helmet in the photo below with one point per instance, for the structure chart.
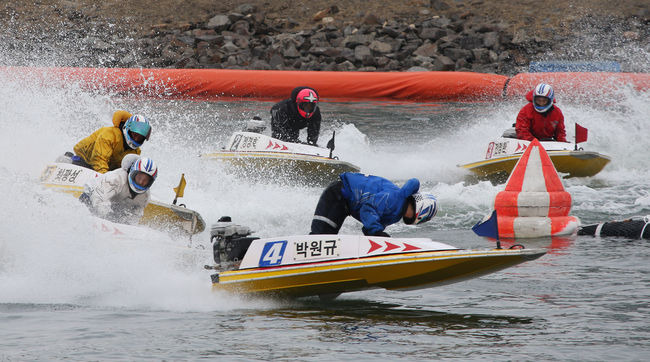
(307, 101)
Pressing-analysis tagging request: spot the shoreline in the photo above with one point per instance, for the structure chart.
(248, 39)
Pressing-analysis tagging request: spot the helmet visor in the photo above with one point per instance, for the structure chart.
(308, 107)
(141, 128)
(138, 138)
(142, 179)
(541, 101)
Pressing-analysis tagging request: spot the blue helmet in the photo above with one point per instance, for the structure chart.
(543, 91)
(136, 125)
(146, 166)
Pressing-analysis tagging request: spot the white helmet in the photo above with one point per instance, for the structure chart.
(146, 166)
(543, 91)
(426, 207)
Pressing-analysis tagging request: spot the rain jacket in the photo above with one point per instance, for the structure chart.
(105, 148)
(532, 124)
(111, 198)
(375, 201)
(286, 122)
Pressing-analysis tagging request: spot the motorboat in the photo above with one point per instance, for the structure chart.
(502, 154)
(328, 265)
(70, 178)
(254, 155)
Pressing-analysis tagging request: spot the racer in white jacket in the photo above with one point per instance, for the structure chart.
(122, 194)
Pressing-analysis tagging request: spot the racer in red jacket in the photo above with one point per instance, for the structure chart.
(541, 118)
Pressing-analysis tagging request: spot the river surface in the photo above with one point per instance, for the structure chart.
(69, 293)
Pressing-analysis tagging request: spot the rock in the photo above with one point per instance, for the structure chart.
(241, 27)
(362, 53)
(520, 37)
(246, 9)
(380, 47)
(481, 55)
(393, 33)
(218, 23)
(470, 42)
(443, 63)
(352, 41)
(229, 47)
(427, 50)
(432, 34)
(457, 53)
(290, 51)
(328, 20)
(368, 69)
(276, 60)
(234, 17)
(491, 40)
(417, 69)
(259, 64)
(440, 21)
(346, 66)
(317, 50)
(211, 39)
(438, 5)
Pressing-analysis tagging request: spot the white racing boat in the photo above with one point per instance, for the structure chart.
(328, 265)
(260, 157)
(502, 154)
(71, 178)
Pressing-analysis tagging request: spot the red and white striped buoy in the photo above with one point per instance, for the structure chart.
(534, 202)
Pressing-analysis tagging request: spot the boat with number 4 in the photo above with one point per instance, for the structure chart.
(71, 178)
(253, 155)
(503, 153)
(328, 265)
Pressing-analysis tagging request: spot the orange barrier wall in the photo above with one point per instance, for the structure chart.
(587, 84)
(406, 86)
(211, 83)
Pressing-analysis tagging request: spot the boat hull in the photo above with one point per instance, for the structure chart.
(70, 178)
(269, 166)
(570, 163)
(261, 158)
(397, 271)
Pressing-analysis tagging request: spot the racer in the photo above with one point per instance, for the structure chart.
(541, 118)
(104, 149)
(122, 194)
(291, 115)
(373, 200)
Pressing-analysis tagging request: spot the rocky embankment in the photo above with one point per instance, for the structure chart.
(246, 39)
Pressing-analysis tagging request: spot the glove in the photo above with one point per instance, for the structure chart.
(379, 233)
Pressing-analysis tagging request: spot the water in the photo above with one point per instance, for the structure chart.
(67, 292)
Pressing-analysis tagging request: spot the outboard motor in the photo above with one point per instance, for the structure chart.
(229, 241)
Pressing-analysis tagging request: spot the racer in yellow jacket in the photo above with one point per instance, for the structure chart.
(104, 149)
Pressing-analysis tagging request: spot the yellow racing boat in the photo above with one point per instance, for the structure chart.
(71, 178)
(260, 157)
(328, 265)
(502, 155)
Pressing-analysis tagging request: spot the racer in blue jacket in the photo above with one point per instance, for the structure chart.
(373, 200)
